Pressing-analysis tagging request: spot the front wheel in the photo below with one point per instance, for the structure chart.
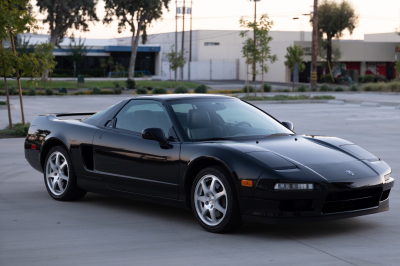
(59, 176)
(214, 201)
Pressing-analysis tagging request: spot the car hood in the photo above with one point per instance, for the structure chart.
(328, 157)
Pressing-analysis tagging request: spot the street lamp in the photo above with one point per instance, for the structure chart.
(255, 20)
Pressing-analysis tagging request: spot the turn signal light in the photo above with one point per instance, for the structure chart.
(247, 183)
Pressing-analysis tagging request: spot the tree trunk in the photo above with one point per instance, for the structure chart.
(18, 79)
(329, 51)
(134, 45)
(7, 94)
(170, 81)
(247, 75)
(255, 87)
(53, 40)
(262, 79)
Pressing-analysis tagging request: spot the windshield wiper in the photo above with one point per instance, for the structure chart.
(214, 139)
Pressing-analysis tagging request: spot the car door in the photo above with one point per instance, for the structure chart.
(130, 163)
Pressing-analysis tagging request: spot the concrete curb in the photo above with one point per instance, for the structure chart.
(381, 103)
(336, 102)
(288, 102)
(12, 106)
(398, 107)
(370, 104)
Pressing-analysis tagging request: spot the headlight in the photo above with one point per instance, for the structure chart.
(293, 186)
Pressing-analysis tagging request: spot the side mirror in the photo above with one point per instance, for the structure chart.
(156, 134)
(289, 125)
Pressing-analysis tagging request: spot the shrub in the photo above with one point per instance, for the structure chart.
(325, 87)
(394, 86)
(116, 84)
(32, 92)
(369, 87)
(108, 91)
(12, 90)
(96, 90)
(130, 83)
(267, 87)
(117, 90)
(201, 89)
(302, 88)
(62, 90)
(368, 78)
(381, 79)
(21, 130)
(3, 102)
(181, 89)
(49, 91)
(251, 88)
(327, 78)
(159, 90)
(339, 89)
(353, 88)
(141, 91)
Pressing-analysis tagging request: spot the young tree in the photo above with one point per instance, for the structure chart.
(7, 70)
(19, 20)
(176, 60)
(77, 51)
(103, 65)
(263, 40)
(110, 63)
(138, 15)
(294, 56)
(250, 49)
(333, 19)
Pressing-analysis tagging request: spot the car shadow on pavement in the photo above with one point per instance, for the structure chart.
(183, 217)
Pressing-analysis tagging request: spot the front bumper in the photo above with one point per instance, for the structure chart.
(294, 208)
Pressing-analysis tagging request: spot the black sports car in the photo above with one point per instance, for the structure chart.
(224, 158)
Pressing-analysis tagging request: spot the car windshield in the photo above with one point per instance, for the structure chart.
(219, 119)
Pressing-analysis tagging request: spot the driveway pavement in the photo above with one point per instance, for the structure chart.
(105, 230)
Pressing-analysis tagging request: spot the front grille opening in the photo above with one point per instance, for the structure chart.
(385, 195)
(352, 200)
(295, 205)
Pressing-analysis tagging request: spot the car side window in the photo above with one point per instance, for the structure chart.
(140, 114)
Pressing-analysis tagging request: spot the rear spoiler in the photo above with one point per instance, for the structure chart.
(74, 114)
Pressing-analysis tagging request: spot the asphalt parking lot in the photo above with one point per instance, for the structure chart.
(104, 230)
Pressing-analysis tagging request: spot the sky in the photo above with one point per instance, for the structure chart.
(374, 17)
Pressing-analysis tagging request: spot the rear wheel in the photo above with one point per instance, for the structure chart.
(59, 176)
(214, 201)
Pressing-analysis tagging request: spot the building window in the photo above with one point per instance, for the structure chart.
(211, 43)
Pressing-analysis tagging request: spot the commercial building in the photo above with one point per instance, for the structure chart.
(216, 54)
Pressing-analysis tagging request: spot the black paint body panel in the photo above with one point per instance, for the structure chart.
(117, 162)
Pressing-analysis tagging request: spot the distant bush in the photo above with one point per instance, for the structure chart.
(394, 86)
(116, 84)
(141, 90)
(32, 92)
(267, 87)
(325, 87)
(201, 89)
(12, 90)
(353, 88)
(96, 90)
(368, 78)
(181, 89)
(381, 79)
(159, 90)
(109, 91)
(62, 90)
(117, 91)
(130, 83)
(251, 88)
(49, 91)
(302, 88)
(21, 130)
(327, 78)
(339, 89)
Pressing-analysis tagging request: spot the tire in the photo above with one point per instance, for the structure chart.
(59, 176)
(214, 201)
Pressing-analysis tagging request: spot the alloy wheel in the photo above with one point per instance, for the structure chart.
(211, 200)
(57, 173)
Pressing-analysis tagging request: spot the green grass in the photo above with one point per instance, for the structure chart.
(18, 130)
(100, 84)
(288, 98)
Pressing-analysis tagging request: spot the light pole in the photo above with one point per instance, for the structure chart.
(255, 20)
(314, 46)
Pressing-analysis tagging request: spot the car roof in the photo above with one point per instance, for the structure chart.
(169, 97)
